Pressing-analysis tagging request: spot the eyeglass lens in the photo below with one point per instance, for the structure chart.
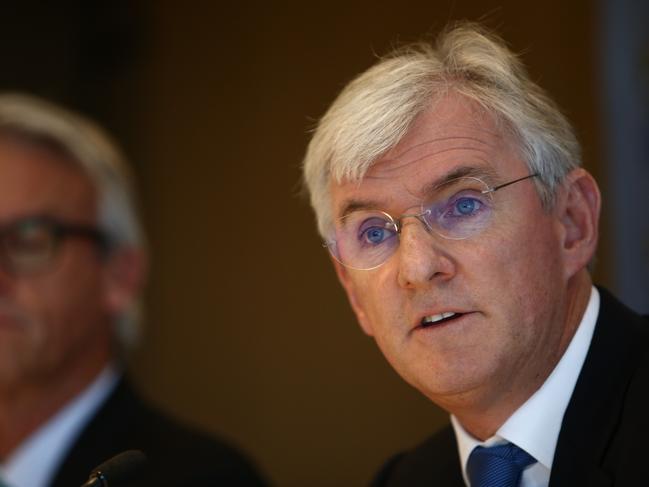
(27, 245)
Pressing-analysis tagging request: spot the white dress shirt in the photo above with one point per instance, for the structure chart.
(535, 426)
(37, 458)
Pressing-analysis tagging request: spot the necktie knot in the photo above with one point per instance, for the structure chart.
(497, 466)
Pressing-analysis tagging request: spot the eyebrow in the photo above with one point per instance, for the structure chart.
(353, 205)
(483, 172)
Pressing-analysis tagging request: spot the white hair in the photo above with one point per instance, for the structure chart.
(376, 109)
(99, 157)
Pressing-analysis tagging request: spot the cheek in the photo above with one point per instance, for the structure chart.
(525, 270)
(383, 303)
(64, 300)
(538, 255)
(375, 290)
(527, 243)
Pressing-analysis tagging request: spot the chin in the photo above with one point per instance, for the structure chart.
(443, 383)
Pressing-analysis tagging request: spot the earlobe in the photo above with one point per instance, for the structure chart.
(350, 288)
(579, 208)
(124, 275)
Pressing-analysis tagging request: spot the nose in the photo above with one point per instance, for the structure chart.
(421, 258)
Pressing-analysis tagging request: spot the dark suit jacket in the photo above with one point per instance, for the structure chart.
(176, 455)
(603, 435)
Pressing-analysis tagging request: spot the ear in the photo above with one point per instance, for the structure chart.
(579, 207)
(124, 275)
(350, 287)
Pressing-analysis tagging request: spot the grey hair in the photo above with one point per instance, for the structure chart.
(99, 157)
(375, 110)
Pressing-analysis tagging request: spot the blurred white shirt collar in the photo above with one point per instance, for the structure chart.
(37, 459)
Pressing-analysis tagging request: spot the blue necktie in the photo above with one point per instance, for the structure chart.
(497, 466)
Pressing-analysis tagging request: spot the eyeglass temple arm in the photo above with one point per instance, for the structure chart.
(500, 186)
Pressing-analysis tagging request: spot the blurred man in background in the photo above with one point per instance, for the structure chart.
(449, 191)
(72, 263)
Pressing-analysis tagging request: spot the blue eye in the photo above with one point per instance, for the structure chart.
(459, 209)
(466, 206)
(373, 232)
(374, 235)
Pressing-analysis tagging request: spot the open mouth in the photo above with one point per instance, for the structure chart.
(438, 319)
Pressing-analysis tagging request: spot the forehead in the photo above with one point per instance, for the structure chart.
(35, 180)
(452, 138)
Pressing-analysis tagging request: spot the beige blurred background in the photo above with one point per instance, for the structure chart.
(248, 333)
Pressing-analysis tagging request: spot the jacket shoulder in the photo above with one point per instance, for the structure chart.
(605, 424)
(177, 454)
(433, 462)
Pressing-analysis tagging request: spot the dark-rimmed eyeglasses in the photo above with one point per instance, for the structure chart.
(458, 209)
(29, 245)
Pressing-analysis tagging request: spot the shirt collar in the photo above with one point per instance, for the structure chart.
(535, 425)
(36, 459)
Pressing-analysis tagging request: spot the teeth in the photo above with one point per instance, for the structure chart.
(438, 317)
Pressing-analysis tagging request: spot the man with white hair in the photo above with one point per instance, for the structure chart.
(72, 262)
(449, 191)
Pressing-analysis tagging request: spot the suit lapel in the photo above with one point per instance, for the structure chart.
(595, 408)
(100, 440)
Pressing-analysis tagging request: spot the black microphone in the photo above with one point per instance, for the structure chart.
(116, 470)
